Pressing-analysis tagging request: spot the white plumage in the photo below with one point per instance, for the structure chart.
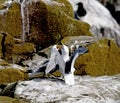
(66, 63)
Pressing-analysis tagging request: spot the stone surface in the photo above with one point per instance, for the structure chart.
(87, 89)
(12, 50)
(4, 99)
(57, 20)
(101, 21)
(98, 61)
(11, 73)
(102, 59)
(33, 25)
(10, 21)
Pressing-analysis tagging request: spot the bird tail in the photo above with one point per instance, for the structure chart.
(69, 79)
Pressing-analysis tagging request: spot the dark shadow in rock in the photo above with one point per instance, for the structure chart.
(9, 90)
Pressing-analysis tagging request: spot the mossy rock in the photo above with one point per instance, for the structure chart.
(10, 75)
(14, 48)
(11, 72)
(67, 7)
(22, 51)
(58, 22)
(2, 7)
(0, 46)
(7, 42)
(23, 48)
(11, 21)
(2, 1)
(103, 58)
(48, 22)
(4, 99)
(64, 25)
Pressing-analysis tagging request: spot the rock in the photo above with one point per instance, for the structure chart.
(87, 89)
(101, 22)
(9, 90)
(98, 61)
(4, 99)
(12, 50)
(24, 30)
(58, 23)
(82, 40)
(102, 59)
(26, 20)
(12, 21)
(11, 73)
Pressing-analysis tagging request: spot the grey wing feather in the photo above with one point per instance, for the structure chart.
(60, 61)
(51, 63)
(55, 58)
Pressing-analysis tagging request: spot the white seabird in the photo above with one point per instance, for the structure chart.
(69, 65)
(65, 63)
(59, 55)
(50, 64)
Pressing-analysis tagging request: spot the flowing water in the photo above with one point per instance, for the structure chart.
(25, 19)
(87, 89)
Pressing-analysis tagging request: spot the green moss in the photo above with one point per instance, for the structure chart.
(2, 1)
(67, 7)
(102, 59)
(0, 46)
(4, 99)
(3, 63)
(57, 73)
(11, 22)
(9, 75)
(23, 48)
(2, 7)
(64, 25)
(58, 22)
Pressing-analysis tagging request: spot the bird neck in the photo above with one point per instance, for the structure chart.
(73, 58)
(69, 66)
(65, 53)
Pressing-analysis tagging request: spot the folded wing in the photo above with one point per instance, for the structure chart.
(55, 59)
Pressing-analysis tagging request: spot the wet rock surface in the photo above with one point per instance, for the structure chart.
(11, 72)
(102, 25)
(87, 89)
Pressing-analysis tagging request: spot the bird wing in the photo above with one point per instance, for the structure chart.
(60, 62)
(55, 59)
(51, 63)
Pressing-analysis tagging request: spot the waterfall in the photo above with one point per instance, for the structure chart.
(25, 19)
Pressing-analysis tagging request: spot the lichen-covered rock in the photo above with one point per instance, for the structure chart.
(11, 72)
(41, 22)
(13, 50)
(102, 59)
(10, 75)
(4, 99)
(52, 23)
(81, 40)
(11, 21)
